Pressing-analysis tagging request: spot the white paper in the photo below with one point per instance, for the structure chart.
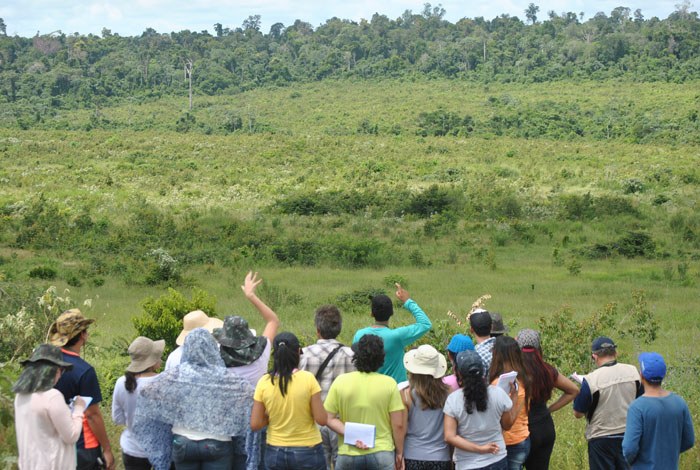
(578, 378)
(359, 432)
(504, 380)
(88, 400)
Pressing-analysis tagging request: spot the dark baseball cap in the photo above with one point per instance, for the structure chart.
(602, 342)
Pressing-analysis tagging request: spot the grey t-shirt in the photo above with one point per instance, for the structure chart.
(480, 427)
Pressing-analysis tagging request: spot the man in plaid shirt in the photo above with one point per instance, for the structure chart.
(328, 325)
(480, 325)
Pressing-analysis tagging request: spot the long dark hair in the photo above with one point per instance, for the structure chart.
(542, 375)
(475, 392)
(507, 351)
(130, 382)
(285, 358)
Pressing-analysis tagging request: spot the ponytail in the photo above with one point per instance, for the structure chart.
(285, 358)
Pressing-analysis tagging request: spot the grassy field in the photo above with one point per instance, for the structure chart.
(542, 224)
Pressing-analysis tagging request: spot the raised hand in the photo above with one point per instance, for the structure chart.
(402, 293)
(250, 283)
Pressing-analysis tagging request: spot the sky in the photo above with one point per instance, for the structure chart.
(132, 17)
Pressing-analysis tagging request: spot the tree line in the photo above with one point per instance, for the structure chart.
(59, 69)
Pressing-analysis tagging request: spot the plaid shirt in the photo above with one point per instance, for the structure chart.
(314, 355)
(485, 351)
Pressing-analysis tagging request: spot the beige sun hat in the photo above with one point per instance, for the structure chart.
(145, 353)
(425, 360)
(197, 319)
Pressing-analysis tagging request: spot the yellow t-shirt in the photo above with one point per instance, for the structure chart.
(291, 421)
(520, 430)
(368, 398)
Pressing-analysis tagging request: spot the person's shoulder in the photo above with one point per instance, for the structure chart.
(304, 375)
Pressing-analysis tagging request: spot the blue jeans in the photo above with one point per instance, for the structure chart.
(382, 460)
(517, 454)
(500, 465)
(306, 458)
(207, 454)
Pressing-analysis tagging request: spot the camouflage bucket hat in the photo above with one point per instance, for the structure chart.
(67, 325)
(47, 353)
(239, 345)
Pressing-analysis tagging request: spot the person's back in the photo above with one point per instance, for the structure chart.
(395, 339)
(604, 398)
(659, 425)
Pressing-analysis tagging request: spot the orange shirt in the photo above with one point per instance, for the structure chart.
(520, 430)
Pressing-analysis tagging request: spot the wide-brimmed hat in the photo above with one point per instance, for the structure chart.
(239, 345)
(425, 360)
(197, 319)
(47, 353)
(497, 326)
(145, 353)
(69, 324)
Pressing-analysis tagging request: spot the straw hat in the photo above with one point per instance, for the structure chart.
(197, 319)
(145, 353)
(425, 360)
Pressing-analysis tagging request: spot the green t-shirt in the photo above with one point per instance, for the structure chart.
(367, 398)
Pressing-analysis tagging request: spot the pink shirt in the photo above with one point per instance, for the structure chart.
(46, 430)
(451, 381)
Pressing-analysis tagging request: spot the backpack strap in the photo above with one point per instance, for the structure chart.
(325, 363)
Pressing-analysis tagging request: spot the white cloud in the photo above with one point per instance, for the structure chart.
(132, 17)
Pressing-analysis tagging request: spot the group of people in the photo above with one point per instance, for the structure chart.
(371, 405)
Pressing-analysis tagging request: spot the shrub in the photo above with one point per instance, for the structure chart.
(433, 200)
(441, 123)
(357, 300)
(162, 317)
(31, 314)
(43, 272)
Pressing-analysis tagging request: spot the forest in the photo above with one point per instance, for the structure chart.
(61, 69)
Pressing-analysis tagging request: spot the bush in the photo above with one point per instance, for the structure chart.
(441, 123)
(434, 200)
(357, 300)
(162, 317)
(43, 272)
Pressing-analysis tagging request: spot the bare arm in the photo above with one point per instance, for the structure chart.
(97, 425)
(272, 322)
(317, 410)
(398, 431)
(578, 415)
(509, 417)
(334, 422)
(455, 440)
(258, 416)
(570, 391)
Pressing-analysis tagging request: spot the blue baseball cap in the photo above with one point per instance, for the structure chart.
(653, 366)
(459, 343)
(602, 342)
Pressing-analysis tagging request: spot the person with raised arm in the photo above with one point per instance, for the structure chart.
(395, 339)
(247, 355)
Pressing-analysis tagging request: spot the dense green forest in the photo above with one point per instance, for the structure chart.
(64, 70)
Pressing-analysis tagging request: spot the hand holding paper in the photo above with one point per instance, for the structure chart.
(358, 433)
(505, 380)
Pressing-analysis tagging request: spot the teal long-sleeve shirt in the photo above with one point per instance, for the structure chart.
(396, 340)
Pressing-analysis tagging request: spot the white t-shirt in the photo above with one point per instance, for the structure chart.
(255, 370)
(174, 358)
(480, 427)
(123, 409)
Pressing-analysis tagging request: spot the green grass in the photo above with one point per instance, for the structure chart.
(137, 166)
